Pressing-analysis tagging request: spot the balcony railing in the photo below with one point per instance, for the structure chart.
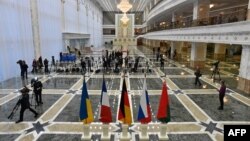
(235, 16)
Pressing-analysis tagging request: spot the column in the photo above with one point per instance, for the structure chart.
(62, 14)
(244, 76)
(248, 11)
(151, 43)
(201, 11)
(77, 43)
(176, 46)
(220, 51)
(173, 19)
(35, 28)
(198, 54)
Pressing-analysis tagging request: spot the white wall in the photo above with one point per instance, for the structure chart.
(16, 40)
(86, 20)
(49, 14)
(16, 37)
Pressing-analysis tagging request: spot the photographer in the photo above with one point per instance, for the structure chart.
(215, 70)
(25, 104)
(37, 88)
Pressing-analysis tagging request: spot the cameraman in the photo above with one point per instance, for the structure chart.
(25, 104)
(37, 88)
(215, 69)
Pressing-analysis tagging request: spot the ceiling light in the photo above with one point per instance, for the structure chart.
(211, 5)
(124, 18)
(124, 6)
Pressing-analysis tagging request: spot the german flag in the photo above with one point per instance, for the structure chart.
(124, 114)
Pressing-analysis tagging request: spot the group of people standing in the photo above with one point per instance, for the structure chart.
(36, 65)
(39, 64)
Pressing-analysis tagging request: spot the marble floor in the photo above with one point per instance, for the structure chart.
(194, 114)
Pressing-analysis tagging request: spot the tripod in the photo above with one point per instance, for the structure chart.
(33, 97)
(215, 71)
(14, 109)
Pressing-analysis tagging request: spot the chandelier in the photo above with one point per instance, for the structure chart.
(124, 19)
(124, 6)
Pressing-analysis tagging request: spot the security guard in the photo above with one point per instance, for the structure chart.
(37, 85)
(25, 104)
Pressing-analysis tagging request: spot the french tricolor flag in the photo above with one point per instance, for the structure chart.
(105, 110)
(144, 114)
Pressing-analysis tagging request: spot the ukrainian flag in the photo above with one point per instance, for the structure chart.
(86, 114)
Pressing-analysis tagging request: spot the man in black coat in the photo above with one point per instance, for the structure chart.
(25, 104)
(20, 62)
(197, 76)
(46, 65)
(83, 65)
(38, 86)
(25, 70)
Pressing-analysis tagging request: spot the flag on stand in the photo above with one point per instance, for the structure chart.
(164, 108)
(144, 114)
(104, 109)
(86, 114)
(124, 114)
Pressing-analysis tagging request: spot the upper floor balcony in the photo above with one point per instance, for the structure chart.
(186, 22)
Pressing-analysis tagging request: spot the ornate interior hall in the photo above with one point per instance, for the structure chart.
(148, 53)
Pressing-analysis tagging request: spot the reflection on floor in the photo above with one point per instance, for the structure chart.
(194, 114)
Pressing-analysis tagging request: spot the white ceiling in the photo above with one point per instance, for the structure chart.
(111, 5)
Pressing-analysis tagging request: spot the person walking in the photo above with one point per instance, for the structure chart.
(222, 92)
(25, 104)
(197, 76)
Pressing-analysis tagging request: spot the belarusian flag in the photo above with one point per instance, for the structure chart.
(164, 109)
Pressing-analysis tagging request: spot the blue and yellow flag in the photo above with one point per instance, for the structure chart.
(86, 114)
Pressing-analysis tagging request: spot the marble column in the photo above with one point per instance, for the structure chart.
(176, 46)
(198, 54)
(173, 19)
(220, 51)
(157, 43)
(35, 28)
(244, 76)
(77, 43)
(248, 11)
(200, 11)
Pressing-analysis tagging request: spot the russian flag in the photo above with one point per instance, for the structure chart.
(86, 114)
(105, 115)
(144, 114)
(164, 109)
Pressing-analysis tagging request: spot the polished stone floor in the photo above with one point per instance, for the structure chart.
(194, 114)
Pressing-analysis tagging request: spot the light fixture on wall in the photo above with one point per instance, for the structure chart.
(211, 5)
(124, 6)
(124, 19)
